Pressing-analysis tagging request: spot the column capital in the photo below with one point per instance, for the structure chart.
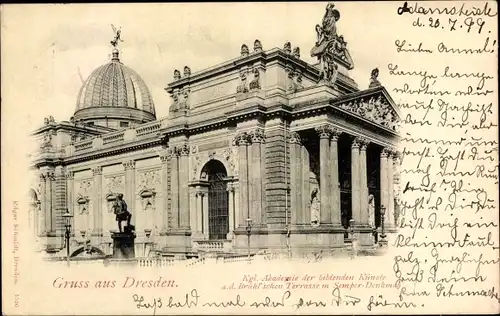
(129, 165)
(183, 150)
(335, 133)
(97, 170)
(324, 131)
(294, 138)
(356, 142)
(70, 175)
(385, 152)
(199, 194)
(257, 136)
(164, 158)
(363, 142)
(241, 139)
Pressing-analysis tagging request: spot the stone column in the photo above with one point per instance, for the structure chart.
(306, 186)
(70, 183)
(390, 189)
(97, 200)
(296, 185)
(384, 182)
(42, 222)
(129, 196)
(363, 169)
(335, 182)
(241, 140)
(165, 160)
(324, 133)
(255, 175)
(183, 188)
(174, 191)
(355, 182)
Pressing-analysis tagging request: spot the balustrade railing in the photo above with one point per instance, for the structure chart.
(148, 129)
(112, 138)
(83, 145)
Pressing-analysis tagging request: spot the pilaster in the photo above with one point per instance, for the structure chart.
(241, 140)
(255, 177)
(165, 160)
(97, 201)
(42, 222)
(183, 187)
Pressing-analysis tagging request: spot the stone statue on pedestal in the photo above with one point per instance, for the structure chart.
(371, 210)
(315, 206)
(122, 214)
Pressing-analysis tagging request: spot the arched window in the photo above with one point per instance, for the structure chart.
(218, 200)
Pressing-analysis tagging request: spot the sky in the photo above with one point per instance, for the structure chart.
(62, 44)
(48, 49)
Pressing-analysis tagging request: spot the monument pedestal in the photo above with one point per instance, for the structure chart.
(123, 245)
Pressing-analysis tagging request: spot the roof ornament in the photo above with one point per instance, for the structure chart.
(374, 79)
(117, 38)
(330, 48)
(115, 42)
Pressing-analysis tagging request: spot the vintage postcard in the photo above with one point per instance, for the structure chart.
(250, 158)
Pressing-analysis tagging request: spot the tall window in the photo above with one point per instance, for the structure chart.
(218, 200)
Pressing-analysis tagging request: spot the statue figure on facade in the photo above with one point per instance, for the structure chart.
(296, 52)
(187, 71)
(242, 87)
(373, 79)
(244, 50)
(329, 69)
(255, 83)
(122, 214)
(371, 210)
(287, 47)
(257, 46)
(177, 74)
(328, 29)
(315, 206)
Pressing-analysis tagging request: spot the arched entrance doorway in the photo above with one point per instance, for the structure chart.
(218, 200)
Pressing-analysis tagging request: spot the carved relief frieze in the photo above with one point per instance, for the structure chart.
(149, 179)
(374, 109)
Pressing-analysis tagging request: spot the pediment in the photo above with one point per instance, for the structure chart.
(374, 105)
